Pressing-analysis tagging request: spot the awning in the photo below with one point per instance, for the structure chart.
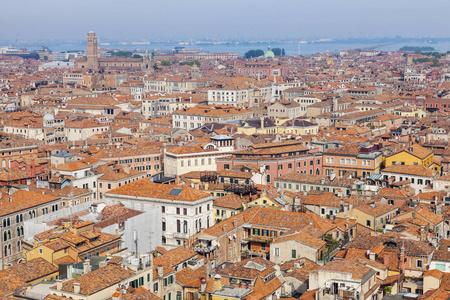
(375, 176)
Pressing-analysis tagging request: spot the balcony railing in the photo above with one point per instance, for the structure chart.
(180, 235)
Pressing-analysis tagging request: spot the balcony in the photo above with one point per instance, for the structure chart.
(180, 235)
(205, 246)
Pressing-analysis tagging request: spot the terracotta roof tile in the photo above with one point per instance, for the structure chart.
(146, 188)
(97, 280)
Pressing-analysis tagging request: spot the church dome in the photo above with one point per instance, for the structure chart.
(269, 53)
(48, 117)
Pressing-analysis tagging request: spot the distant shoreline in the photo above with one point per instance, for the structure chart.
(290, 47)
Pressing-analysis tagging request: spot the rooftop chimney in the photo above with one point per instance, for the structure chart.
(423, 234)
(59, 285)
(202, 285)
(87, 266)
(76, 287)
(160, 271)
(217, 283)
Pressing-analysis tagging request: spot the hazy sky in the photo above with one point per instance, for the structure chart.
(169, 19)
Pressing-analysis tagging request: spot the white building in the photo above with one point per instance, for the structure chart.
(182, 160)
(80, 174)
(348, 279)
(57, 66)
(233, 97)
(163, 105)
(172, 84)
(441, 260)
(185, 210)
(82, 130)
(419, 175)
(195, 117)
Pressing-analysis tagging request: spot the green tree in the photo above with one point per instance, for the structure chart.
(422, 59)
(259, 53)
(435, 62)
(276, 51)
(198, 63)
(254, 53)
(282, 52)
(249, 54)
(136, 56)
(165, 63)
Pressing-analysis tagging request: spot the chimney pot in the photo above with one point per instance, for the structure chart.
(76, 287)
(59, 285)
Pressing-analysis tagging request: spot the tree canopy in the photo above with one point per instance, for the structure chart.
(276, 51)
(258, 52)
(254, 53)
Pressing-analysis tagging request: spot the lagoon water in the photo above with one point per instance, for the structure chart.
(290, 48)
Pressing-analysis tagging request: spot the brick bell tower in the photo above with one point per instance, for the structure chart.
(92, 51)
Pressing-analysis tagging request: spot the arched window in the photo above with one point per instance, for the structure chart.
(268, 178)
(185, 227)
(178, 226)
(5, 236)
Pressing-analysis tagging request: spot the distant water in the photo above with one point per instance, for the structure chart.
(290, 48)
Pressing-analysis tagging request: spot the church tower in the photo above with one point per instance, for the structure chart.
(92, 51)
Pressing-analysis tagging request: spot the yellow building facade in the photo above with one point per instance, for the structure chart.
(413, 155)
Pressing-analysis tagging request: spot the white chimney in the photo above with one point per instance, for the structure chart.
(59, 285)
(86, 266)
(76, 287)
